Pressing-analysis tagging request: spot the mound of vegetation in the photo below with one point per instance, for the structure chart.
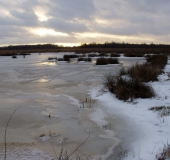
(142, 72)
(105, 61)
(130, 83)
(102, 61)
(157, 60)
(114, 55)
(14, 56)
(60, 59)
(148, 71)
(52, 58)
(113, 61)
(127, 88)
(134, 54)
(67, 57)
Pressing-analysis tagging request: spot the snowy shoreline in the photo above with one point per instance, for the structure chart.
(152, 129)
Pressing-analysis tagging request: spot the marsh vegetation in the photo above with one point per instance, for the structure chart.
(129, 83)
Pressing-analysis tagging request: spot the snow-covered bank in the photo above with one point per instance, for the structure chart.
(153, 130)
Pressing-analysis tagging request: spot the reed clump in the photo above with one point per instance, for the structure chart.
(130, 83)
(105, 61)
(127, 88)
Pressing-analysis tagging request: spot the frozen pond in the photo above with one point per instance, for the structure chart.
(43, 88)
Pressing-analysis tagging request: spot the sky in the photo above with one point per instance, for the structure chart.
(73, 22)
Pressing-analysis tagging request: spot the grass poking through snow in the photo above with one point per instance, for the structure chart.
(162, 110)
(164, 154)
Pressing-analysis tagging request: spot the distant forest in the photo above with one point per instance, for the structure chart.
(85, 45)
(123, 45)
(30, 47)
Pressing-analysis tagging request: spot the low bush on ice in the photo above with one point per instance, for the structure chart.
(67, 57)
(157, 60)
(142, 72)
(134, 54)
(148, 71)
(125, 88)
(133, 86)
(105, 61)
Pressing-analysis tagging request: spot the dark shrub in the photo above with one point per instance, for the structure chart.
(148, 71)
(88, 59)
(105, 61)
(52, 58)
(114, 55)
(67, 57)
(125, 88)
(144, 72)
(14, 56)
(159, 60)
(103, 55)
(129, 88)
(148, 58)
(133, 54)
(60, 59)
(113, 61)
(101, 61)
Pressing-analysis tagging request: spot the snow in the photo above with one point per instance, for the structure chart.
(153, 131)
(99, 117)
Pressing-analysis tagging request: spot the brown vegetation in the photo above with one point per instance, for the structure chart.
(125, 88)
(148, 71)
(165, 153)
(130, 83)
(105, 61)
(162, 110)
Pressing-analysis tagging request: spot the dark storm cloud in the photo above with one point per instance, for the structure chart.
(146, 18)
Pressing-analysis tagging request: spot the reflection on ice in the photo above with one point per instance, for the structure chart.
(50, 63)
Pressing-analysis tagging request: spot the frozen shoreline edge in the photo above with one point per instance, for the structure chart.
(154, 131)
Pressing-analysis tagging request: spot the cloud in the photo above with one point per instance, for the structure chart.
(76, 21)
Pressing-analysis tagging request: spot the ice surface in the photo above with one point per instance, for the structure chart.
(50, 95)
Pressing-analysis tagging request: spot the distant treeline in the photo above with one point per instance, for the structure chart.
(30, 47)
(112, 47)
(85, 45)
(123, 45)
